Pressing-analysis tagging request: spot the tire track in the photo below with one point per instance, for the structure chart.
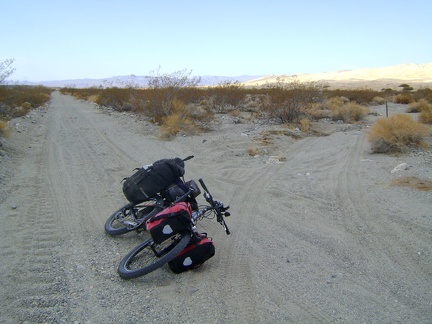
(236, 299)
(379, 245)
(35, 267)
(81, 160)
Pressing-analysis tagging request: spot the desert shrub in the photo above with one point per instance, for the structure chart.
(16, 96)
(396, 133)
(404, 98)
(426, 114)
(252, 101)
(418, 106)
(226, 96)
(22, 110)
(115, 97)
(18, 100)
(378, 100)
(349, 112)
(80, 93)
(317, 111)
(164, 88)
(360, 96)
(334, 103)
(289, 102)
(90, 94)
(424, 93)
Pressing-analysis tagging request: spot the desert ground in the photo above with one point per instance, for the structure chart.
(318, 232)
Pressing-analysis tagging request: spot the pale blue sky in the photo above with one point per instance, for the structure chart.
(57, 40)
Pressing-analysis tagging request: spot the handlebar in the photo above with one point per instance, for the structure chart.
(218, 207)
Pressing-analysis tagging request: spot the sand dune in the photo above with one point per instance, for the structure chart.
(418, 75)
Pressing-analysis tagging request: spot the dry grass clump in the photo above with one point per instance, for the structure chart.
(235, 113)
(341, 108)
(4, 129)
(253, 151)
(426, 115)
(396, 133)
(404, 98)
(413, 182)
(424, 108)
(182, 120)
(304, 125)
(348, 112)
(173, 124)
(335, 102)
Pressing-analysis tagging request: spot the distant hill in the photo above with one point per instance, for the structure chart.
(138, 81)
(417, 75)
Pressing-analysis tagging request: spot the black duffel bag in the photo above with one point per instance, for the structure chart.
(150, 180)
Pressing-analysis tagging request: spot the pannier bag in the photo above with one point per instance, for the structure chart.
(150, 180)
(174, 191)
(169, 222)
(193, 256)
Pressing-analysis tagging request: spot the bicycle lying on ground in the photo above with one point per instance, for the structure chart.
(162, 203)
(150, 255)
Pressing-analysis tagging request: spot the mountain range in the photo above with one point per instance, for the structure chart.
(135, 81)
(417, 75)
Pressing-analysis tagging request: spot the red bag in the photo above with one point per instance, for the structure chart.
(169, 222)
(193, 256)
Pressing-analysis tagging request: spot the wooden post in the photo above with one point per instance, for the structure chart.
(386, 110)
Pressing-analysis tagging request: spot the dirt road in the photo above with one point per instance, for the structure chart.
(321, 237)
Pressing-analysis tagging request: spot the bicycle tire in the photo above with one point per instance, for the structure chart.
(144, 250)
(115, 227)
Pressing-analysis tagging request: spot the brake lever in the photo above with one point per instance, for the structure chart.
(226, 228)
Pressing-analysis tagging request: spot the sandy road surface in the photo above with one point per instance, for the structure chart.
(321, 237)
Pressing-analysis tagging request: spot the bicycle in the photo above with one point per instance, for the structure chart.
(149, 255)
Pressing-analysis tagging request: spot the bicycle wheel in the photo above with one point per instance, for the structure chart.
(149, 256)
(123, 219)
